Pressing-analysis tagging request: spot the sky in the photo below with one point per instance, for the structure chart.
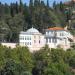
(27, 1)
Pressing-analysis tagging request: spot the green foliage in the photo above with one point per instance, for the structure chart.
(53, 62)
(17, 61)
(46, 61)
(18, 17)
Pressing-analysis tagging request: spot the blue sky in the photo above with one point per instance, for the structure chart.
(27, 1)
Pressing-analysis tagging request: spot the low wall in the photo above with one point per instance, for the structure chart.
(12, 45)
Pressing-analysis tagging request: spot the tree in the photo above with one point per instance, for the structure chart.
(57, 55)
(12, 68)
(21, 6)
(1, 11)
(35, 3)
(61, 6)
(50, 62)
(54, 5)
(72, 62)
(12, 10)
(17, 8)
(7, 9)
(31, 3)
(48, 3)
(22, 55)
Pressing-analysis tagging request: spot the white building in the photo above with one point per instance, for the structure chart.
(32, 38)
(54, 37)
(58, 37)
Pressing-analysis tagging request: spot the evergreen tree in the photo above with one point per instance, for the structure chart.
(21, 6)
(42, 3)
(7, 9)
(11, 10)
(31, 3)
(17, 8)
(31, 6)
(47, 3)
(61, 6)
(54, 4)
(39, 1)
(1, 10)
(36, 3)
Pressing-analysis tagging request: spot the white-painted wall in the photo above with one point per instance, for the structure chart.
(11, 45)
(61, 36)
(37, 41)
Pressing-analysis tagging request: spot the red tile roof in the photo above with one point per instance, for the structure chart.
(69, 2)
(56, 28)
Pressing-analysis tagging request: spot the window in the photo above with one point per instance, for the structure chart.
(30, 38)
(52, 32)
(47, 32)
(30, 43)
(46, 40)
(61, 34)
(25, 43)
(54, 40)
(65, 41)
(21, 38)
(25, 38)
(39, 41)
(49, 40)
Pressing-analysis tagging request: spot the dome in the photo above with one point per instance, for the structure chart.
(32, 30)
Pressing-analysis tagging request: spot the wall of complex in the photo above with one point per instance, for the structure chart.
(58, 38)
(11, 45)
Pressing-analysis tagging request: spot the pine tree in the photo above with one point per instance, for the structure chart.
(12, 11)
(36, 2)
(31, 3)
(61, 6)
(1, 10)
(21, 6)
(39, 1)
(47, 3)
(31, 6)
(54, 4)
(17, 9)
(42, 3)
(7, 9)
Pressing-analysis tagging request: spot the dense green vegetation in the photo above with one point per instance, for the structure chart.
(18, 17)
(19, 61)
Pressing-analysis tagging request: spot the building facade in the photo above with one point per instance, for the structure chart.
(54, 37)
(32, 38)
(58, 37)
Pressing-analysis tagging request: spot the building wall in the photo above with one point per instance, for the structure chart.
(52, 38)
(25, 40)
(35, 42)
(11, 45)
(61, 38)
